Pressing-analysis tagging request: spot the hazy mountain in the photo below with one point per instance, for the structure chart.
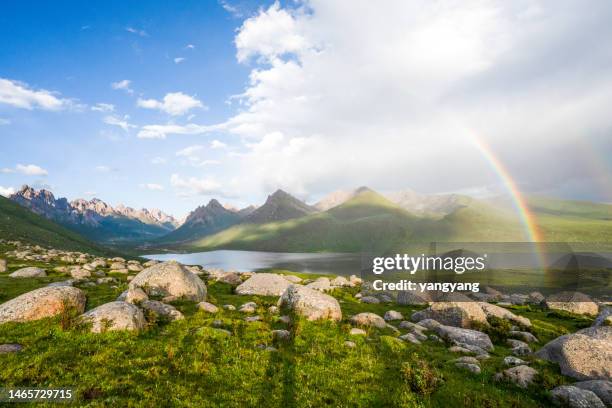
(434, 205)
(279, 206)
(202, 221)
(18, 223)
(96, 219)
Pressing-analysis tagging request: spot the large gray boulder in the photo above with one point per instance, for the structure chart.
(584, 355)
(459, 336)
(41, 303)
(458, 314)
(369, 319)
(29, 272)
(170, 279)
(499, 312)
(521, 375)
(310, 303)
(601, 388)
(264, 284)
(114, 316)
(161, 309)
(574, 397)
(573, 302)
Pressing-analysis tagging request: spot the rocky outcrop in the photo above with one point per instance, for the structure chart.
(114, 316)
(170, 279)
(584, 355)
(310, 303)
(264, 284)
(41, 303)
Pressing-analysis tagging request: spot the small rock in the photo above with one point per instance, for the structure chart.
(135, 295)
(250, 319)
(355, 331)
(474, 368)
(369, 319)
(249, 307)
(282, 335)
(162, 309)
(10, 348)
(513, 361)
(30, 272)
(467, 360)
(524, 336)
(574, 397)
(409, 337)
(370, 300)
(393, 315)
(350, 344)
(284, 319)
(520, 375)
(229, 307)
(208, 307)
(273, 310)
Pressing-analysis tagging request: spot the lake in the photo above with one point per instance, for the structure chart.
(247, 261)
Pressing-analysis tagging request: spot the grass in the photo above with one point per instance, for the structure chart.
(189, 363)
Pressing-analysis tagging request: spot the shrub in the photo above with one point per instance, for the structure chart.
(420, 376)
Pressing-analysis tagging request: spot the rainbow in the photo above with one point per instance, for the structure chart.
(532, 232)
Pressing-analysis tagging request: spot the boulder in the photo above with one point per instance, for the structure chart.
(161, 309)
(535, 298)
(170, 279)
(429, 324)
(79, 273)
(474, 368)
(370, 300)
(231, 278)
(356, 331)
(135, 295)
(524, 336)
(410, 337)
(513, 361)
(41, 303)
(117, 266)
(249, 307)
(293, 278)
(520, 375)
(340, 282)
(29, 272)
(458, 314)
(604, 318)
(264, 284)
(584, 355)
(322, 284)
(310, 303)
(574, 397)
(601, 388)
(114, 316)
(208, 307)
(463, 337)
(501, 313)
(408, 297)
(281, 335)
(393, 315)
(10, 348)
(573, 302)
(369, 319)
(3, 267)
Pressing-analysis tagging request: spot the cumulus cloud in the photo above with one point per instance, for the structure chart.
(216, 144)
(178, 60)
(174, 103)
(103, 107)
(20, 95)
(31, 170)
(117, 121)
(193, 185)
(123, 85)
(162, 131)
(348, 93)
(6, 191)
(152, 186)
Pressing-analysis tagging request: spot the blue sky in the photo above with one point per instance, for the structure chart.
(167, 104)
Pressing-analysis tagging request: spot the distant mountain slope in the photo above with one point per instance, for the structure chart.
(279, 206)
(434, 205)
(96, 219)
(370, 222)
(18, 223)
(203, 221)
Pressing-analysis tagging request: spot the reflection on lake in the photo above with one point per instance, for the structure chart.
(246, 261)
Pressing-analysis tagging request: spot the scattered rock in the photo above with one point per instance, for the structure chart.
(293, 278)
(3, 267)
(574, 397)
(208, 307)
(474, 368)
(273, 310)
(340, 281)
(284, 319)
(282, 335)
(409, 297)
(499, 312)
(135, 295)
(513, 361)
(573, 302)
(310, 303)
(10, 348)
(251, 319)
(355, 331)
(601, 388)
(393, 315)
(264, 284)
(458, 314)
(166, 311)
(323, 284)
(29, 272)
(229, 307)
(465, 337)
(604, 318)
(249, 307)
(41, 303)
(68, 282)
(231, 278)
(584, 355)
(350, 344)
(524, 336)
(409, 337)
(170, 279)
(369, 319)
(370, 300)
(521, 375)
(114, 316)
(429, 324)
(535, 298)
(467, 360)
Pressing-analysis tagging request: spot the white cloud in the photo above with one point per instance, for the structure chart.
(123, 85)
(193, 185)
(347, 93)
(190, 46)
(31, 170)
(216, 144)
(6, 170)
(152, 186)
(136, 31)
(159, 160)
(6, 191)
(121, 122)
(174, 103)
(189, 151)
(233, 10)
(178, 60)
(19, 95)
(162, 131)
(4, 121)
(103, 107)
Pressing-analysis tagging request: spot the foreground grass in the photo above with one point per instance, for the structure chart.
(190, 363)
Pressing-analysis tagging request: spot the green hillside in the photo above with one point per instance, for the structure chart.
(369, 222)
(18, 223)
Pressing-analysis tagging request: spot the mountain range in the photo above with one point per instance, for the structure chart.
(96, 219)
